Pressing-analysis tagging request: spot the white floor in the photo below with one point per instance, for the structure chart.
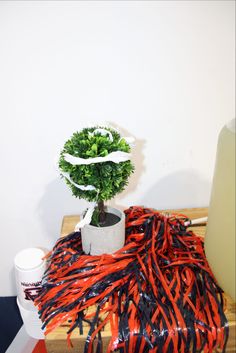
(22, 343)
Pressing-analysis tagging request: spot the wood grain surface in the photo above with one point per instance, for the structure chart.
(56, 341)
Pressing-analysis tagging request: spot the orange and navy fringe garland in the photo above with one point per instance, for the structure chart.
(157, 293)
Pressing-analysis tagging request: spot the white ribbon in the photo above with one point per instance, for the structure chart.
(129, 139)
(116, 157)
(86, 220)
(81, 187)
(103, 132)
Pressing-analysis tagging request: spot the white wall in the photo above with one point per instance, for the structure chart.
(162, 71)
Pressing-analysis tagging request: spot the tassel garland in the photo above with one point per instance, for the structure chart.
(157, 293)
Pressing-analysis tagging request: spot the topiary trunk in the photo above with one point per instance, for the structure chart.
(101, 212)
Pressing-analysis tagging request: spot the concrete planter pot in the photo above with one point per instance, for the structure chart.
(104, 240)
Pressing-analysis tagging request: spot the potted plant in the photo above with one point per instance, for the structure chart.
(95, 164)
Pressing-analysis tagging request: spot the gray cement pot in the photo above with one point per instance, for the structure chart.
(104, 240)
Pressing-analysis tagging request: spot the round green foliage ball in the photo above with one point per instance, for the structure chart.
(108, 178)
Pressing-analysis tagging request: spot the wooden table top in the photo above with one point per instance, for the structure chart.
(56, 341)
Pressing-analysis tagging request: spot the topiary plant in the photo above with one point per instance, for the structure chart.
(95, 163)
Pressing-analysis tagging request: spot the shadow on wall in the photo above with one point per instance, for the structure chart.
(183, 189)
(57, 202)
(137, 160)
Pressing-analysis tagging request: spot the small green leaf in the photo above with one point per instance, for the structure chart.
(94, 148)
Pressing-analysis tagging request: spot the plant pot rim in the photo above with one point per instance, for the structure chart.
(113, 210)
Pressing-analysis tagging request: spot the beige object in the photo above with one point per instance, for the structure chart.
(220, 233)
(104, 240)
(56, 341)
